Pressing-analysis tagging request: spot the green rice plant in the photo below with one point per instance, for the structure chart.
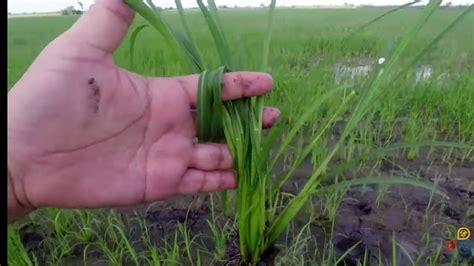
(81, 226)
(124, 239)
(394, 249)
(111, 253)
(347, 252)
(171, 251)
(114, 244)
(366, 255)
(133, 38)
(185, 23)
(299, 245)
(238, 123)
(150, 252)
(219, 233)
(17, 254)
(187, 242)
(62, 246)
(405, 252)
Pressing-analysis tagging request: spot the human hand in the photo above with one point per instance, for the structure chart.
(83, 133)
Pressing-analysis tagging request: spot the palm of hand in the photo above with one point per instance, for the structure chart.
(96, 135)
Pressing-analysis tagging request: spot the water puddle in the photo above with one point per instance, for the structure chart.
(423, 73)
(354, 69)
(345, 71)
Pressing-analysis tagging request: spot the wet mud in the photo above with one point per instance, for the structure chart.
(369, 217)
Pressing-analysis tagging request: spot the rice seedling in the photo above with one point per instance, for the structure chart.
(171, 251)
(219, 234)
(151, 252)
(124, 239)
(62, 247)
(187, 242)
(238, 123)
(347, 252)
(17, 255)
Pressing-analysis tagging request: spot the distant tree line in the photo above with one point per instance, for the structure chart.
(70, 10)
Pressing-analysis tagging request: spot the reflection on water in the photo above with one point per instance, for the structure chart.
(361, 68)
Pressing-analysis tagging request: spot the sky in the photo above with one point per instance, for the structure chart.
(26, 6)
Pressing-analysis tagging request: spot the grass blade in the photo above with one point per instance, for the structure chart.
(130, 249)
(155, 21)
(179, 45)
(300, 157)
(218, 36)
(266, 45)
(349, 250)
(17, 254)
(301, 121)
(394, 249)
(372, 21)
(133, 39)
(152, 5)
(439, 36)
(187, 29)
(213, 11)
(379, 180)
(209, 107)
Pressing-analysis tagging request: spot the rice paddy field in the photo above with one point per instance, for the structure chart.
(420, 128)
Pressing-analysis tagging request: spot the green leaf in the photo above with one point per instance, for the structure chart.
(209, 106)
(178, 44)
(372, 21)
(266, 46)
(438, 37)
(192, 46)
(222, 46)
(155, 21)
(133, 39)
(379, 180)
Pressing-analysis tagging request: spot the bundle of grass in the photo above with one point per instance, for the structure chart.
(260, 218)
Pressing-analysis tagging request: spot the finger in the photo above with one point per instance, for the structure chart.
(196, 181)
(211, 156)
(235, 85)
(103, 26)
(270, 116)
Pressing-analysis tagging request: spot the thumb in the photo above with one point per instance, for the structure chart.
(103, 26)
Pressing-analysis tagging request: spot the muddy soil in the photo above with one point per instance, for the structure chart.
(416, 217)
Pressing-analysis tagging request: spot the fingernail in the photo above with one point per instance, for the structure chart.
(229, 181)
(267, 81)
